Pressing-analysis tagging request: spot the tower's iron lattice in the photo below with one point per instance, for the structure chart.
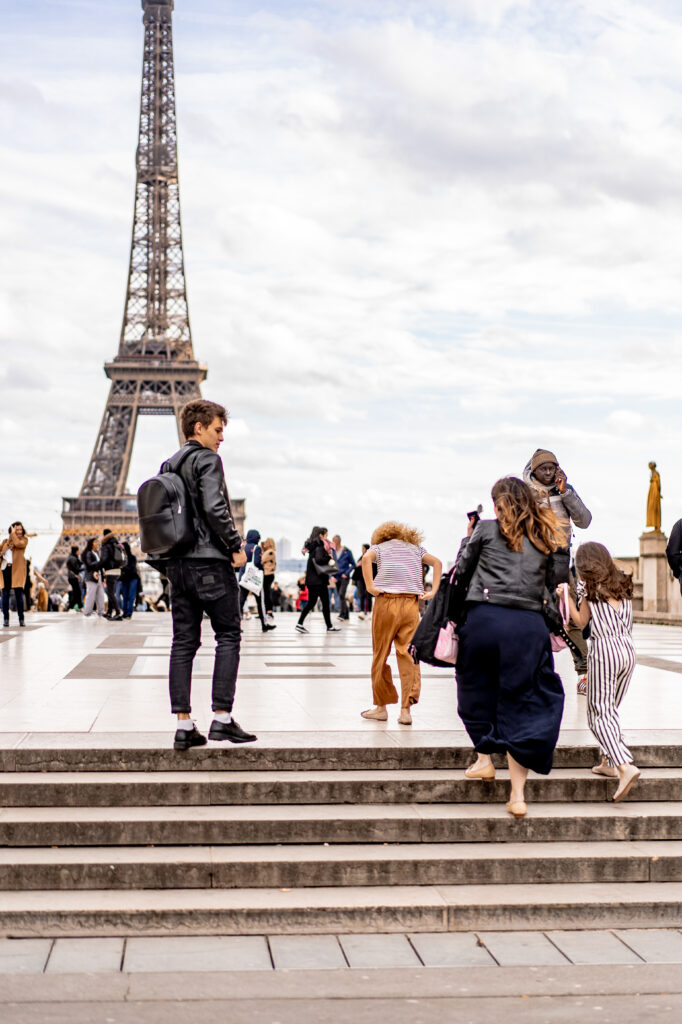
(155, 371)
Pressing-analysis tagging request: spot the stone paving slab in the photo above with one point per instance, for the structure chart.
(24, 956)
(654, 945)
(522, 949)
(306, 952)
(593, 947)
(73, 956)
(197, 953)
(377, 951)
(451, 949)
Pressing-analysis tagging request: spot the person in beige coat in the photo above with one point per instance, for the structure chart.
(269, 563)
(13, 562)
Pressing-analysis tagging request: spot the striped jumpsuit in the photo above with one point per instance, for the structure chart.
(610, 664)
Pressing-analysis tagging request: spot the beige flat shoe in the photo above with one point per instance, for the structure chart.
(487, 772)
(375, 715)
(626, 783)
(404, 718)
(517, 808)
(605, 769)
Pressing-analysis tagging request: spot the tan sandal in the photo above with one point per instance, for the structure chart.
(626, 784)
(375, 715)
(486, 772)
(517, 808)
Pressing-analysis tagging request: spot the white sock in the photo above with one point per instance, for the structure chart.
(186, 723)
(224, 718)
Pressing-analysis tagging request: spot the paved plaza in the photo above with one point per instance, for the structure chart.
(63, 674)
(72, 684)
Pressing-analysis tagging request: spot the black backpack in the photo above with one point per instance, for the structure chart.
(445, 606)
(118, 555)
(165, 512)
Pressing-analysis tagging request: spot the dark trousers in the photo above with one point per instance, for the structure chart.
(316, 591)
(199, 586)
(243, 597)
(342, 587)
(128, 595)
(75, 595)
(267, 583)
(509, 696)
(112, 602)
(6, 592)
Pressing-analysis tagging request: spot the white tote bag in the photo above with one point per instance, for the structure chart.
(252, 579)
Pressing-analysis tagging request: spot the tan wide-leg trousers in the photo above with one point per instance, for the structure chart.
(395, 618)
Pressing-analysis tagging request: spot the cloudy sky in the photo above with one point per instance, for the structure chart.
(421, 240)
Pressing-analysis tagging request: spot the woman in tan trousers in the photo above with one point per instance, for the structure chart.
(398, 585)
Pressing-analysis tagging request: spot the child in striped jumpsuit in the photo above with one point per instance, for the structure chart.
(610, 657)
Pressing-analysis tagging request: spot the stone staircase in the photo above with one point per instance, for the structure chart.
(357, 838)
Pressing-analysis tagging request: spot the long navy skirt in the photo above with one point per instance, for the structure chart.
(509, 696)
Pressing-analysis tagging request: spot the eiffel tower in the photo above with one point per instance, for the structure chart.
(155, 372)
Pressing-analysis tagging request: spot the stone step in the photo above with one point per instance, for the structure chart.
(340, 823)
(234, 867)
(331, 752)
(348, 909)
(115, 789)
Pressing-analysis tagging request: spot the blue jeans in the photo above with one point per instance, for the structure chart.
(199, 586)
(128, 595)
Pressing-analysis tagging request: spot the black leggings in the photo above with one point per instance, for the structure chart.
(320, 590)
(6, 592)
(268, 579)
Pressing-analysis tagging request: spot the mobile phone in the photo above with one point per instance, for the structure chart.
(475, 516)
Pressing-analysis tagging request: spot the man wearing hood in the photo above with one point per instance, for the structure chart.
(253, 552)
(553, 491)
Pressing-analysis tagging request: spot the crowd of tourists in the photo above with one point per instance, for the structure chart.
(512, 598)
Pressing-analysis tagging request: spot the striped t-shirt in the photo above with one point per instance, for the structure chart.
(399, 567)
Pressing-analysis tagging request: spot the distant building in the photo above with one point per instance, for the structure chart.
(283, 549)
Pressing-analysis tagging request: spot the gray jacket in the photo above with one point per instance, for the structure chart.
(568, 507)
(216, 534)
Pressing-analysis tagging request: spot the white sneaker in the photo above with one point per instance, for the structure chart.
(300, 629)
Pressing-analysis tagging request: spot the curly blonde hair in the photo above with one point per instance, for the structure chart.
(519, 516)
(267, 544)
(397, 531)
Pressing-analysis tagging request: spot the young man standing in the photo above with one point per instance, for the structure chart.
(112, 573)
(203, 579)
(346, 565)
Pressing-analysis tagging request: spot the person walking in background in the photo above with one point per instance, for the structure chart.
(399, 583)
(13, 563)
(74, 568)
(253, 552)
(128, 582)
(552, 491)
(610, 659)
(346, 565)
(269, 563)
(320, 567)
(94, 587)
(112, 557)
(673, 552)
(509, 696)
(364, 599)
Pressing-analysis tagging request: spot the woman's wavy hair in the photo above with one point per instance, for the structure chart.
(600, 574)
(519, 516)
(268, 543)
(397, 531)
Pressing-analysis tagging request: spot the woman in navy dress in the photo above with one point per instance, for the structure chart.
(509, 696)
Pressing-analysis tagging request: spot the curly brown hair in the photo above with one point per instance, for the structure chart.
(600, 574)
(519, 516)
(397, 531)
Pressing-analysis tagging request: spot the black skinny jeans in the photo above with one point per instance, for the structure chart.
(6, 592)
(198, 586)
(268, 580)
(112, 601)
(316, 590)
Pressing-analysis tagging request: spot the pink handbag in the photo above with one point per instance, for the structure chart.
(447, 644)
(558, 642)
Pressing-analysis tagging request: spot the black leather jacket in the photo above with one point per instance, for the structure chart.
(216, 534)
(498, 575)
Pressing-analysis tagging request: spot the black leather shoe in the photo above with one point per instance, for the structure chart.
(268, 626)
(232, 732)
(186, 738)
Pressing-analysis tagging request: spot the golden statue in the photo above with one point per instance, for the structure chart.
(653, 501)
